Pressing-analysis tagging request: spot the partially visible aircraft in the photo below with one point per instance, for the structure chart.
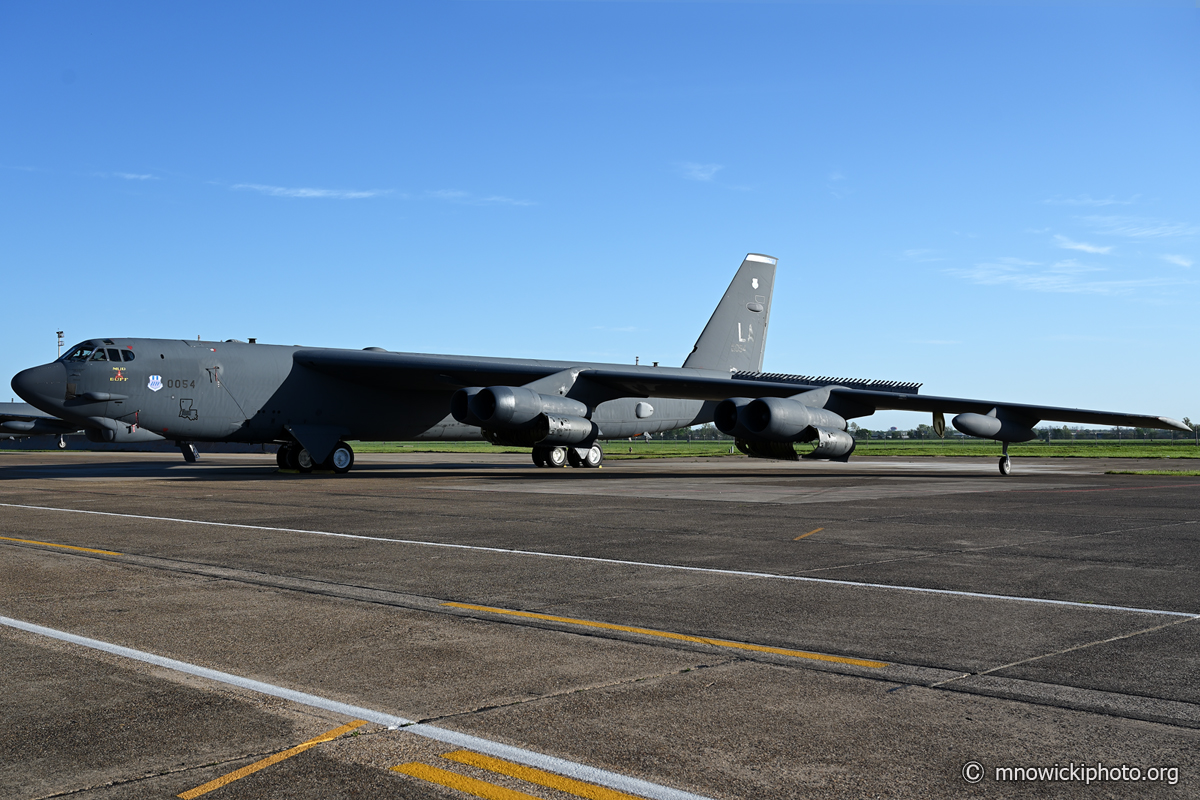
(19, 420)
(312, 400)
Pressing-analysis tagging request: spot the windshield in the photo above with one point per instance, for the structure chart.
(81, 352)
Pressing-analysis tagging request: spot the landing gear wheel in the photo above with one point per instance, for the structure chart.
(539, 456)
(587, 459)
(190, 453)
(304, 462)
(281, 456)
(62, 443)
(556, 457)
(340, 460)
(1005, 465)
(594, 457)
(291, 454)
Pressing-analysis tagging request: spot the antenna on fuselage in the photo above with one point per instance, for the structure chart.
(60, 343)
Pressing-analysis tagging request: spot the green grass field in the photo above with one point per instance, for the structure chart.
(621, 449)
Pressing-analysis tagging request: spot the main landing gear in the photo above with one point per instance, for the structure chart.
(578, 457)
(1005, 463)
(190, 454)
(294, 458)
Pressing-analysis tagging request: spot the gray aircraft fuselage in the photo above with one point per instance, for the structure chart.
(233, 391)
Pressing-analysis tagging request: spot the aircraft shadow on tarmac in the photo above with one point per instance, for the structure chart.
(217, 471)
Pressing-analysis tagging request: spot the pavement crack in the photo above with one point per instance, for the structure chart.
(575, 690)
(159, 774)
(1073, 649)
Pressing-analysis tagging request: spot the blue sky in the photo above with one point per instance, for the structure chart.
(998, 200)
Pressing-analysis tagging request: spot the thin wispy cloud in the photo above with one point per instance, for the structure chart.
(470, 199)
(1139, 227)
(921, 255)
(1067, 276)
(836, 185)
(1088, 200)
(1179, 261)
(304, 192)
(1068, 244)
(694, 171)
(127, 176)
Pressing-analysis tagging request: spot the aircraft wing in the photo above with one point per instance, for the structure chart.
(387, 370)
(447, 373)
(22, 419)
(851, 402)
(1034, 413)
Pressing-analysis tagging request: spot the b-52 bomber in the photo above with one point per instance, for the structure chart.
(312, 401)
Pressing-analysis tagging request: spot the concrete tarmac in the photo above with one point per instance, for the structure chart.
(682, 628)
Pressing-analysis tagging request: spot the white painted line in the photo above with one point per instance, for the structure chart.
(648, 564)
(530, 758)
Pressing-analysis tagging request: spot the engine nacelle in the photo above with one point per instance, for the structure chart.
(779, 419)
(994, 426)
(513, 407)
(832, 443)
(545, 429)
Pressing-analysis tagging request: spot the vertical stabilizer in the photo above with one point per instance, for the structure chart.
(736, 334)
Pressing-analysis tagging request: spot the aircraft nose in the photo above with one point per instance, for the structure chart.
(39, 385)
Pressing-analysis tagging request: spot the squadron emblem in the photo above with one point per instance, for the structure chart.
(155, 383)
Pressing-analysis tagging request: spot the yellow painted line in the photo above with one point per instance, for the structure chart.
(810, 533)
(452, 780)
(683, 637)
(224, 780)
(64, 546)
(538, 776)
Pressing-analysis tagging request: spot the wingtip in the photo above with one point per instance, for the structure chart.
(1176, 424)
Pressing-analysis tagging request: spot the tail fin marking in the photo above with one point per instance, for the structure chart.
(736, 335)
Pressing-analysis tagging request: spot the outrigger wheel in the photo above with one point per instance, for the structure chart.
(1005, 463)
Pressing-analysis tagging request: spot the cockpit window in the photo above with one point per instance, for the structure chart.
(81, 352)
(127, 355)
(114, 354)
(99, 355)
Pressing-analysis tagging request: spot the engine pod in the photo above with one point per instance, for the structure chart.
(996, 425)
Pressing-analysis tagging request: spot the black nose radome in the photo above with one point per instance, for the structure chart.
(39, 385)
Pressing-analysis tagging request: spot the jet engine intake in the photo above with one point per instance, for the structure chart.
(995, 425)
(460, 406)
(727, 415)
